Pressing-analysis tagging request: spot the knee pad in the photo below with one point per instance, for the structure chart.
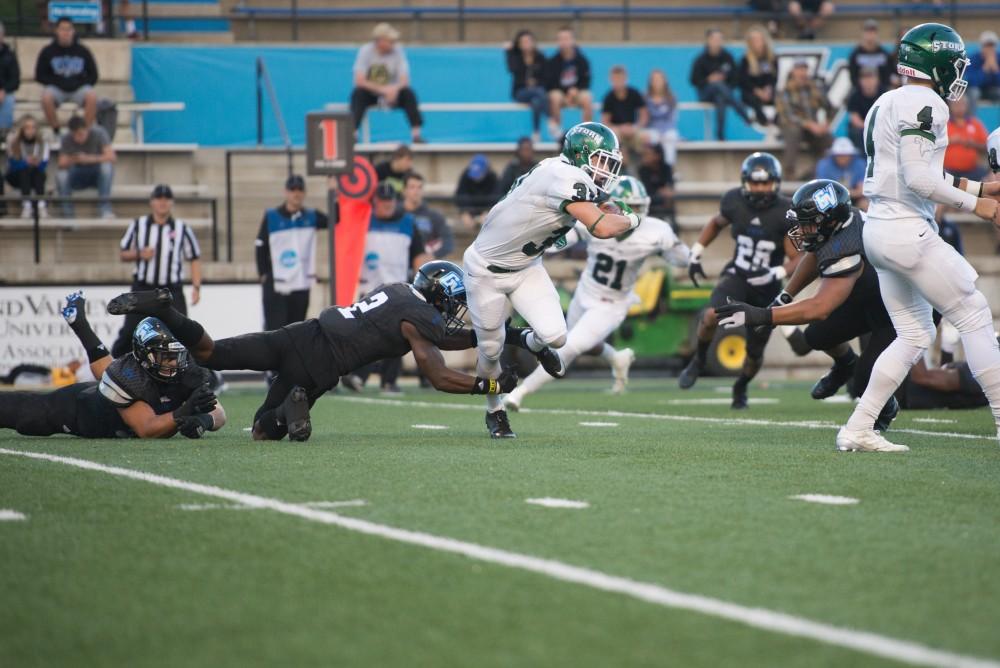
(971, 313)
(489, 343)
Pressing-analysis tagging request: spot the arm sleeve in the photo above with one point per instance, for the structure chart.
(697, 74)
(512, 64)
(90, 66)
(583, 83)
(191, 249)
(914, 144)
(43, 68)
(673, 250)
(361, 61)
(417, 246)
(15, 76)
(322, 222)
(129, 239)
(263, 249)
(444, 234)
(114, 392)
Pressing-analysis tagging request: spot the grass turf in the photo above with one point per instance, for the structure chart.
(108, 571)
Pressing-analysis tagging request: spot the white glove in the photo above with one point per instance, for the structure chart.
(773, 274)
(633, 220)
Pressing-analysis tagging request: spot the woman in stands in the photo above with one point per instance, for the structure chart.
(27, 158)
(661, 103)
(758, 73)
(527, 65)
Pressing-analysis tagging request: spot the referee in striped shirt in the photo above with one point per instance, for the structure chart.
(158, 244)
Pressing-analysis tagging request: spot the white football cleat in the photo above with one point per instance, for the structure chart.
(619, 369)
(512, 401)
(866, 440)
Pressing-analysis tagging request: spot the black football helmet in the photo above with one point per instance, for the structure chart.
(819, 208)
(760, 167)
(158, 351)
(442, 284)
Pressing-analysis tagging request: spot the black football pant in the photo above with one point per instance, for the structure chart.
(361, 99)
(283, 309)
(75, 409)
(123, 344)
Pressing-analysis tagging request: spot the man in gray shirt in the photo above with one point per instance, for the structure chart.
(382, 76)
(86, 160)
(432, 224)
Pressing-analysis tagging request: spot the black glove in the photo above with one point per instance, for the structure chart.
(738, 314)
(502, 385)
(202, 400)
(695, 270)
(507, 380)
(194, 426)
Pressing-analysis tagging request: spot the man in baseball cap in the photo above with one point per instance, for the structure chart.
(843, 164)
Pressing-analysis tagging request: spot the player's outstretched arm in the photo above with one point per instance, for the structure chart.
(832, 293)
(601, 224)
(941, 188)
(444, 379)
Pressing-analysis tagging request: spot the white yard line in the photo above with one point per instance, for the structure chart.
(760, 618)
(432, 427)
(239, 506)
(598, 424)
(549, 502)
(827, 499)
(727, 421)
(935, 421)
(8, 515)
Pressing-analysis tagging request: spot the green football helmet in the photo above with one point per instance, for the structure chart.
(593, 147)
(631, 191)
(936, 53)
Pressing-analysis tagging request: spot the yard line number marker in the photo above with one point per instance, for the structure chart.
(549, 502)
(827, 499)
(760, 618)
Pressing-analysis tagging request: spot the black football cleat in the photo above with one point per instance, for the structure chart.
(551, 362)
(498, 425)
(295, 410)
(739, 398)
(689, 376)
(887, 415)
(147, 302)
(835, 378)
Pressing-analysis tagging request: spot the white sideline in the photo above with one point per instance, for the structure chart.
(804, 424)
(768, 620)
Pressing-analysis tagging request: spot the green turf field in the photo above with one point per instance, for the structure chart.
(108, 570)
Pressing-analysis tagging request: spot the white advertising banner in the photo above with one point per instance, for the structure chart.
(32, 329)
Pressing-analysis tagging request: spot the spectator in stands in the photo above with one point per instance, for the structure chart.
(859, 102)
(869, 54)
(286, 251)
(568, 81)
(10, 81)
(772, 11)
(843, 164)
(809, 15)
(800, 107)
(713, 75)
(431, 223)
(658, 177)
(158, 244)
(983, 73)
(68, 72)
(27, 159)
(382, 76)
(526, 64)
(476, 191)
(523, 161)
(624, 111)
(758, 73)
(966, 143)
(661, 112)
(395, 170)
(86, 160)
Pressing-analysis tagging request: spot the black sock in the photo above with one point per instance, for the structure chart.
(848, 358)
(703, 347)
(741, 383)
(187, 331)
(91, 344)
(268, 423)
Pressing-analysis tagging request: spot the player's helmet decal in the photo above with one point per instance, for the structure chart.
(760, 167)
(442, 284)
(162, 356)
(631, 191)
(593, 147)
(819, 209)
(934, 52)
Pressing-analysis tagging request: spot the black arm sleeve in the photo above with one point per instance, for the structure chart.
(90, 66)
(583, 82)
(263, 249)
(417, 246)
(13, 81)
(43, 68)
(322, 222)
(698, 73)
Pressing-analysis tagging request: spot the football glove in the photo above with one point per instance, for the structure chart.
(194, 426)
(502, 385)
(202, 400)
(767, 277)
(738, 314)
(694, 264)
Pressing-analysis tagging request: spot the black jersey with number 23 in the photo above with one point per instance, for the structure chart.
(759, 233)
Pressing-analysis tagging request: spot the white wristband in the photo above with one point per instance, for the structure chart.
(696, 251)
(974, 187)
(634, 220)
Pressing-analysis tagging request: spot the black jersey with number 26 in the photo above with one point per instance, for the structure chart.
(759, 233)
(371, 329)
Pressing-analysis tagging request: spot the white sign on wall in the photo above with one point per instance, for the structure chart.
(32, 329)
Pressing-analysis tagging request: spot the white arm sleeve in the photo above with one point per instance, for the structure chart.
(925, 183)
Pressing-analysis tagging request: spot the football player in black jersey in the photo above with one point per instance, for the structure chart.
(152, 392)
(755, 214)
(311, 356)
(847, 305)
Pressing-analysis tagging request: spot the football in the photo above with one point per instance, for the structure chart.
(609, 207)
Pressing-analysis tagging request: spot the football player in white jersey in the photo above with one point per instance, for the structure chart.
(503, 266)
(604, 292)
(905, 139)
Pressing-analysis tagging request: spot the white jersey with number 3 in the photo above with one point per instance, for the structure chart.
(532, 216)
(909, 110)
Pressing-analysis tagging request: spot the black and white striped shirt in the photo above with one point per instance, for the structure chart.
(172, 243)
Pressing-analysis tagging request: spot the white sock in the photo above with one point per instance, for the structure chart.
(533, 343)
(488, 368)
(983, 356)
(888, 373)
(608, 353)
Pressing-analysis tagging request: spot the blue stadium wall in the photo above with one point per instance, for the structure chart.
(217, 84)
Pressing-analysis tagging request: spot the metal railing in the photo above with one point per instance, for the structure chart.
(62, 222)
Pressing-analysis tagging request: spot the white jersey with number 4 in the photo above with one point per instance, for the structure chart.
(613, 266)
(909, 110)
(532, 216)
